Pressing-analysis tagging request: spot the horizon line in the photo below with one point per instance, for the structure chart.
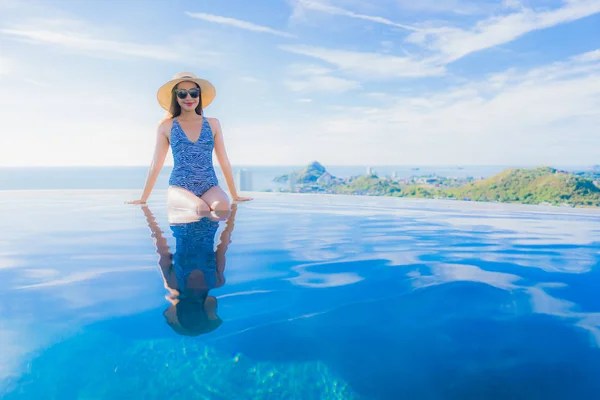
(303, 165)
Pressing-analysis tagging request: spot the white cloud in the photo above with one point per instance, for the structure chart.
(304, 100)
(460, 7)
(512, 4)
(577, 66)
(75, 35)
(454, 43)
(315, 78)
(302, 5)
(589, 56)
(322, 83)
(545, 115)
(308, 69)
(369, 66)
(449, 44)
(80, 42)
(237, 23)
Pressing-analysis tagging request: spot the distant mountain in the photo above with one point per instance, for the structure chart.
(532, 186)
(307, 175)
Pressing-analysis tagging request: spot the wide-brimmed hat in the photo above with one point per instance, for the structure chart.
(165, 95)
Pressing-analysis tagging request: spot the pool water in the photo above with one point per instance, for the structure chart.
(297, 297)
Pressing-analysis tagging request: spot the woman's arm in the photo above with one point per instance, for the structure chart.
(224, 160)
(161, 149)
(165, 257)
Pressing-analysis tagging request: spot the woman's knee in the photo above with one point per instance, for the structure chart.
(202, 207)
(220, 205)
(217, 199)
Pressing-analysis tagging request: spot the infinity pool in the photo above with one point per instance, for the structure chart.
(305, 297)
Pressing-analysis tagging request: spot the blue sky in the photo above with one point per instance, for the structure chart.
(386, 82)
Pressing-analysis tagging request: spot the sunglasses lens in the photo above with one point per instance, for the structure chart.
(194, 93)
(182, 94)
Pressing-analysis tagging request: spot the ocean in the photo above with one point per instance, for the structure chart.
(56, 178)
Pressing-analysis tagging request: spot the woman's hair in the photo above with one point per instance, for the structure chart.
(175, 109)
(193, 318)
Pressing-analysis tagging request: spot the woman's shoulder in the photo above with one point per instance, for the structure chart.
(214, 123)
(165, 124)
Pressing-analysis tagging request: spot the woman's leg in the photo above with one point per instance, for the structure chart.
(185, 204)
(217, 200)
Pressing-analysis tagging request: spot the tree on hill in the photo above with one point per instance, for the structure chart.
(369, 184)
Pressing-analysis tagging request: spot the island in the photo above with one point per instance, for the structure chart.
(543, 185)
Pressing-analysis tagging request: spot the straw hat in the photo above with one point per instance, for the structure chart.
(207, 89)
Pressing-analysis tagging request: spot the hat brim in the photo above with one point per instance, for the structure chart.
(165, 96)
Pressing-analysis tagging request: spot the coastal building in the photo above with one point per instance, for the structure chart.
(244, 180)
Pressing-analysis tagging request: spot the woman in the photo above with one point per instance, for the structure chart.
(193, 184)
(192, 271)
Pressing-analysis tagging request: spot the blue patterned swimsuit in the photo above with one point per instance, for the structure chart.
(193, 168)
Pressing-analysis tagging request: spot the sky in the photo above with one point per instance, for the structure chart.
(343, 82)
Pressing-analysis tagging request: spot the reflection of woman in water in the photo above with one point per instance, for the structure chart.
(192, 271)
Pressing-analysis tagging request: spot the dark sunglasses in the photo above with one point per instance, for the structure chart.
(182, 93)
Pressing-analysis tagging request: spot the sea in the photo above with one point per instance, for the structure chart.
(257, 178)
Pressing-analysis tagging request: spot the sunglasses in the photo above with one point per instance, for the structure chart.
(182, 93)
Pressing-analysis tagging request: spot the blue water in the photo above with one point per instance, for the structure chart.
(322, 297)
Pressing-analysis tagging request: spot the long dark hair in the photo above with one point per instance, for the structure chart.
(175, 109)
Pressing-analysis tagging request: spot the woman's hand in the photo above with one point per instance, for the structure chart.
(136, 202)
(240, 198)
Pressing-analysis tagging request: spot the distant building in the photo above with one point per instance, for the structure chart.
(245, 180)
(370, 171)
(325, 179)
(292, 182)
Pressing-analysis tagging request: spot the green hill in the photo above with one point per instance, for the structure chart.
(526, 186)
(369, 184)
(532, 186)
(308, 174)
(423, 191)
